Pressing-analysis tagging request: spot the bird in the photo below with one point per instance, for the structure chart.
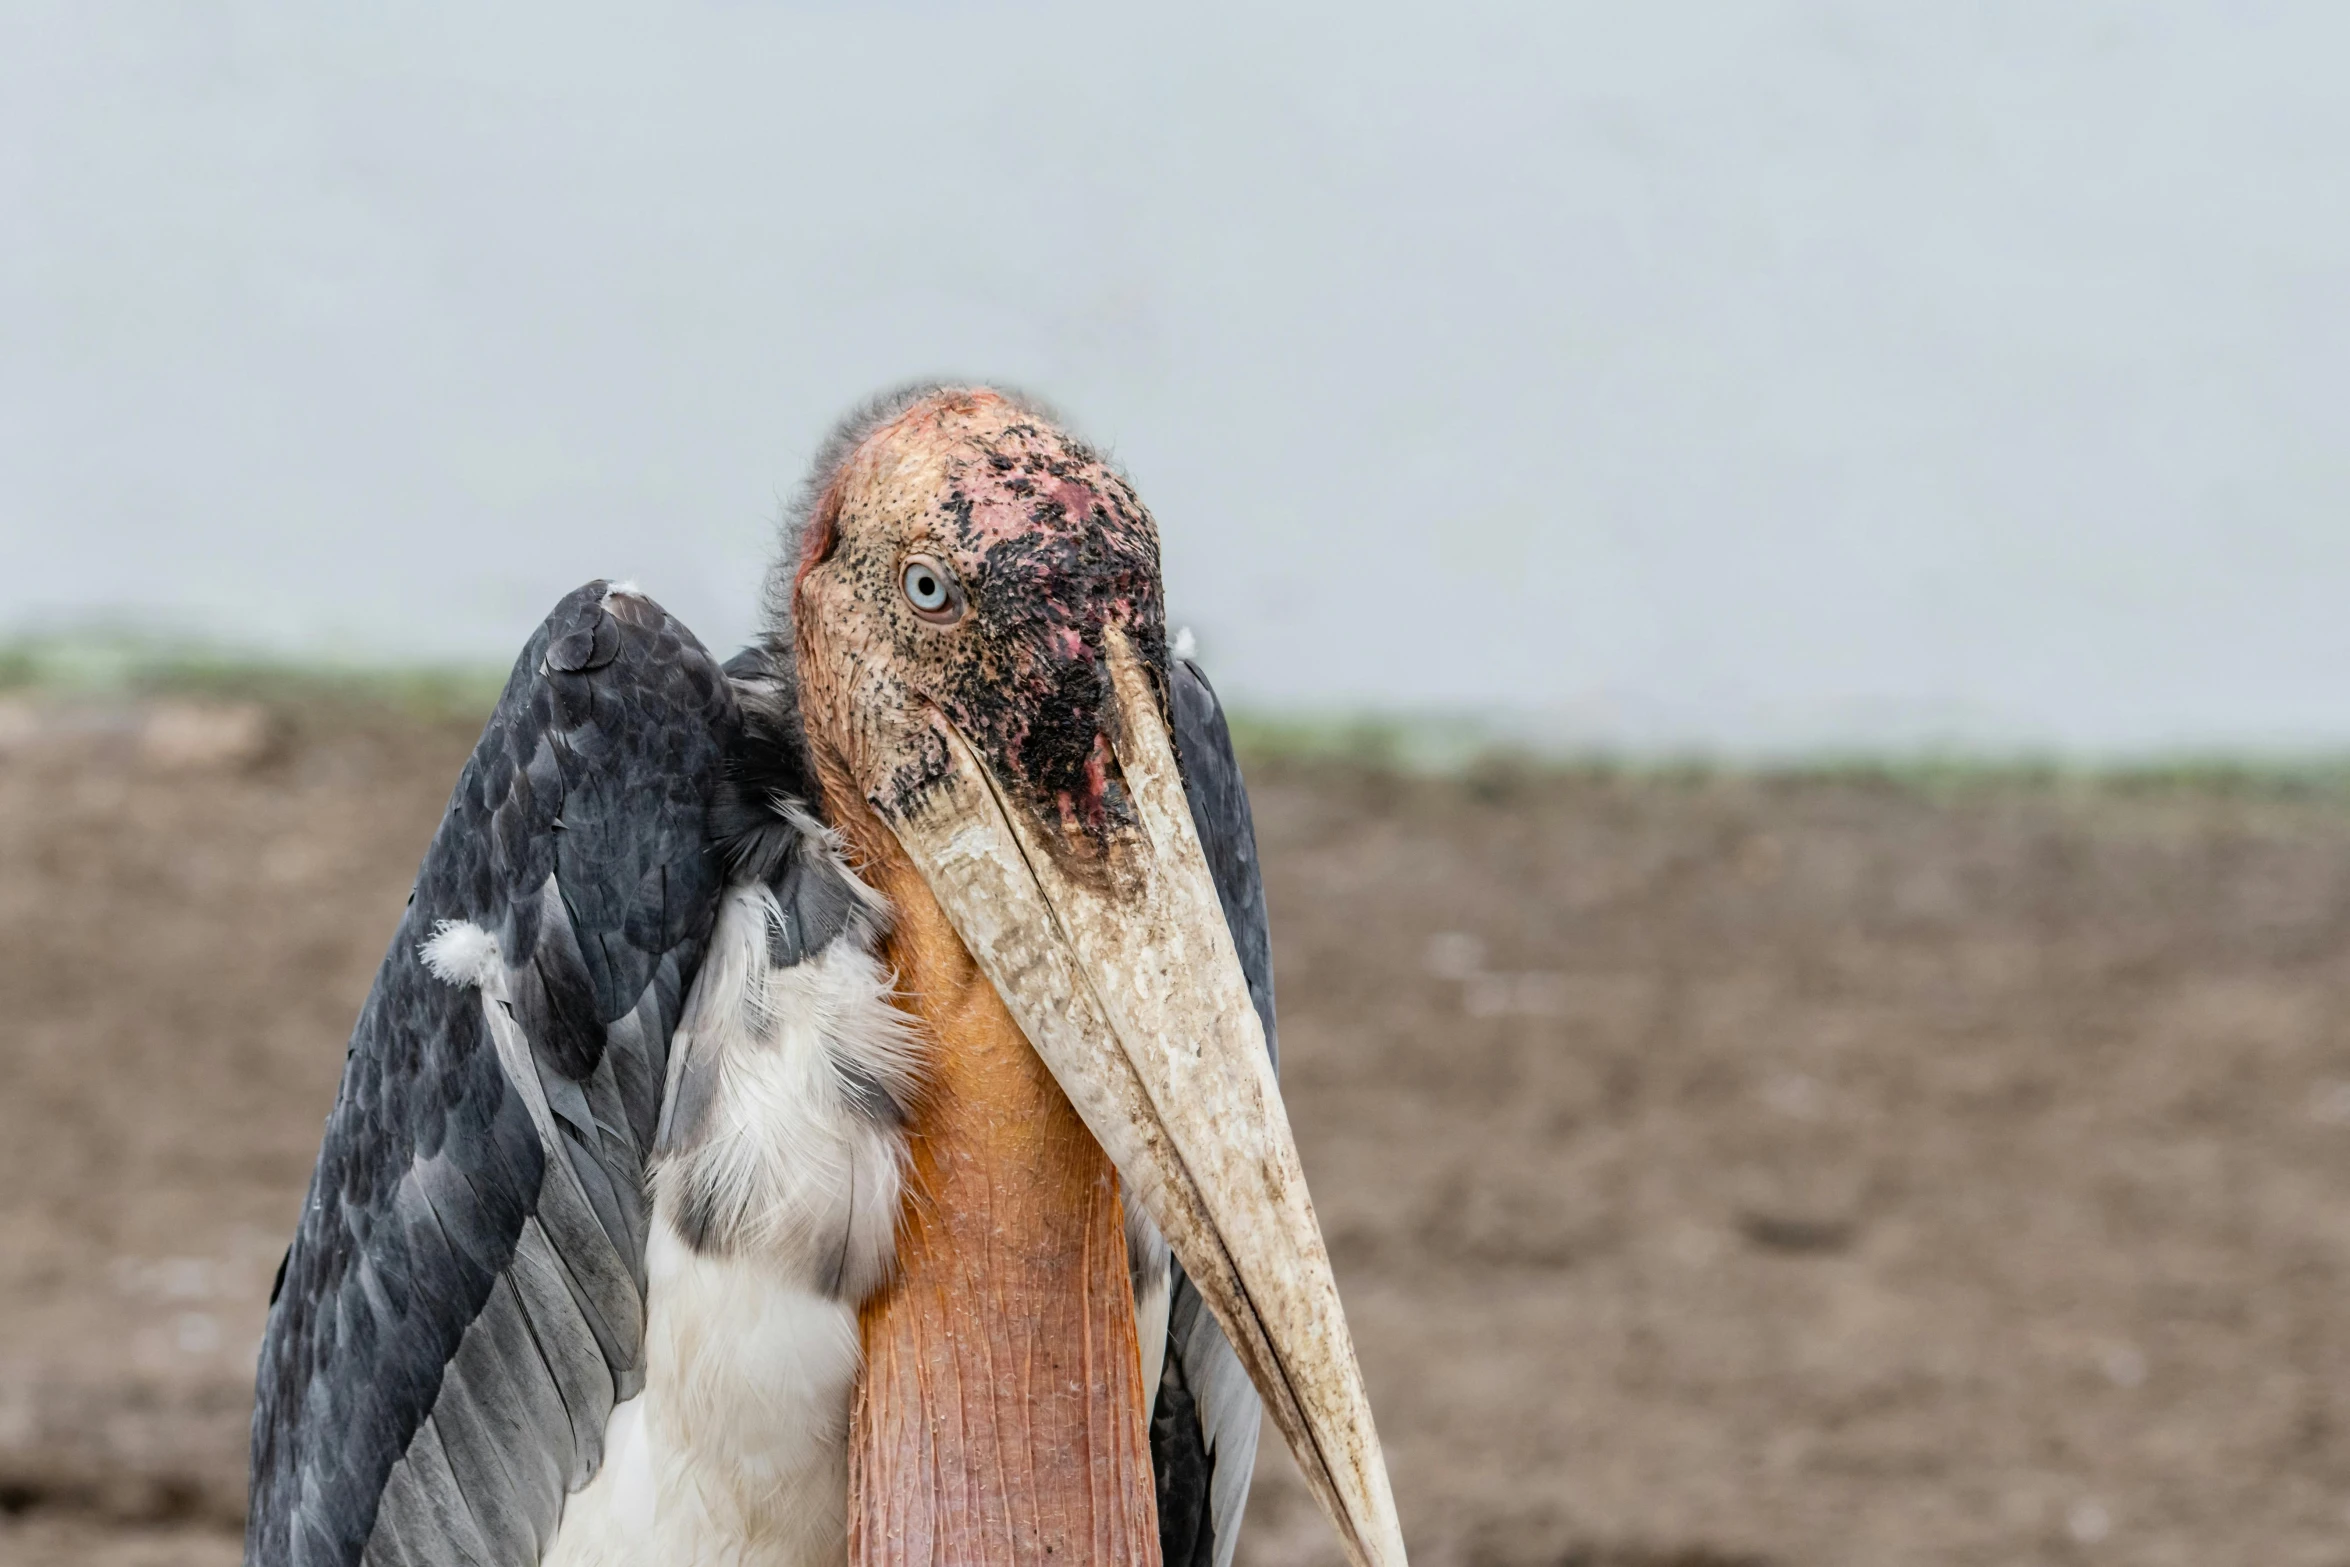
(824, 1103)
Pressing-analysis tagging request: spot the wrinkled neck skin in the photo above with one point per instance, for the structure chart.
(1000, 1416)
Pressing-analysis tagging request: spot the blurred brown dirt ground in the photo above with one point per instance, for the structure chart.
(1718, 1171)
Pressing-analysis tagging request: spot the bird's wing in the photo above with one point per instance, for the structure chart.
(463, 1302)
(1204, 1428)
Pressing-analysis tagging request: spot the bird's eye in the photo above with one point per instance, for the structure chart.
(932, 590)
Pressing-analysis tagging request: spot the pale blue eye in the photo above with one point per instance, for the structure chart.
(929, 589)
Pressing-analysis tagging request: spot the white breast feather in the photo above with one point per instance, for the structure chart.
(736, 1452)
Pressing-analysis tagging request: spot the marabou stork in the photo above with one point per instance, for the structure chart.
(767, 1133)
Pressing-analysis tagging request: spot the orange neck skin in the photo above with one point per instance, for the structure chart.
(1001, 1416)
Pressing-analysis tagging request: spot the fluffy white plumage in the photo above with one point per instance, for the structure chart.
(462, 953)
(736, 1452)
(787, 1159)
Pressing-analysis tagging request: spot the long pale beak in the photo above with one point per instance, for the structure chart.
(1128, 988)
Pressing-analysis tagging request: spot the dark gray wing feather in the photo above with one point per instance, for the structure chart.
(463, 1302)
(1204, 1426)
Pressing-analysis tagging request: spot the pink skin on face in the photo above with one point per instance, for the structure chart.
(1054, 548)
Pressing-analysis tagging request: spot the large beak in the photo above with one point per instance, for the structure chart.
(1129, 989)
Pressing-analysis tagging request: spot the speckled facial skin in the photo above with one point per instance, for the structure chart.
(1051, 548)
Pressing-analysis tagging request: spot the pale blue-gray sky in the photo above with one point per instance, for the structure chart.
(1741, 373)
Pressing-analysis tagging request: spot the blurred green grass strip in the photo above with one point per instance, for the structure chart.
(1445, 745)
(105, 665)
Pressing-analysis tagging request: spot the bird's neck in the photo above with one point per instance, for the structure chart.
(1001, 1416)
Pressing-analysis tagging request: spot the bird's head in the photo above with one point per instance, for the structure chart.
(965, 573)
(982, 658)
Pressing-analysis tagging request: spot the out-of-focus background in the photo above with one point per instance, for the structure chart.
(1780, 564)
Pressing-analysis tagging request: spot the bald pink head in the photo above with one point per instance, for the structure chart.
(1041, 546)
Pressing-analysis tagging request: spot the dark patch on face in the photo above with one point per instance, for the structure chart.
(1052, 551)
(1064, 552)
(914, 775)
(1040, 703)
